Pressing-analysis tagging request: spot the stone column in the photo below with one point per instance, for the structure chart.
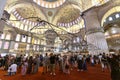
(2, 5)
(2, 23)
(94, 32)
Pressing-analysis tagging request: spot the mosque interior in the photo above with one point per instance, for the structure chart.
(38, 26)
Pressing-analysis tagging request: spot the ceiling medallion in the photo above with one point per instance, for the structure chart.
(50, 13)
(49, 3)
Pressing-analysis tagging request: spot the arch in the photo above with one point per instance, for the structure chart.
(109, 12)
(20, 4)
(49, 4)
(60, 11)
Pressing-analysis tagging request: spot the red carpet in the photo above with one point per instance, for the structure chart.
(93, 73)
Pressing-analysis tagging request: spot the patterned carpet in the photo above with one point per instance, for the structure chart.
(93, 73)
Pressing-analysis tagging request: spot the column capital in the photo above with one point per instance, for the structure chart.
(2, 24)
(91, 11)
(91, 18)
(94, 30)
(2, 5)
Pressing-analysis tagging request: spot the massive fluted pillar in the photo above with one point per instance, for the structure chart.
(95, 34)
(2, 5)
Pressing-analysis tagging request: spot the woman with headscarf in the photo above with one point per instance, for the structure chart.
(24, 67)
(36, 64)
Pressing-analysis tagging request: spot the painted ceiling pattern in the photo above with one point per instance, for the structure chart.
(49, 3)
(65, 14)
(69, 14)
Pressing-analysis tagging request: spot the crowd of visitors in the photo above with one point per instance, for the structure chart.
(65, 63)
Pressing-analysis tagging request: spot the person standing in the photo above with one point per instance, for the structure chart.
(45, 63)
(103, 62)
(52, 64)
(7, 60)
(60, 63)
(24, 68)
(92, 60)
(84, 63)
(36, 64)
(115, 67)
(80, 62)
(67, 66)
(30, 64)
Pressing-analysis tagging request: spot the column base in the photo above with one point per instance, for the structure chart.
(97, 43)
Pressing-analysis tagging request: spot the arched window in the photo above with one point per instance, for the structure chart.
(98, 2)
(110, 18)
(74, 41)
(43, 42)
(29, 40)
(38, 42)
(34, 47)
(35, 41)
(117, 15)
(6, 45)
(22, 26)
(18, 37)
(38, 48)
(24, 38)
(8, 37)
(3, 36)
(27, 47)
(26, 28)
(16, 46)
(78, 39)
